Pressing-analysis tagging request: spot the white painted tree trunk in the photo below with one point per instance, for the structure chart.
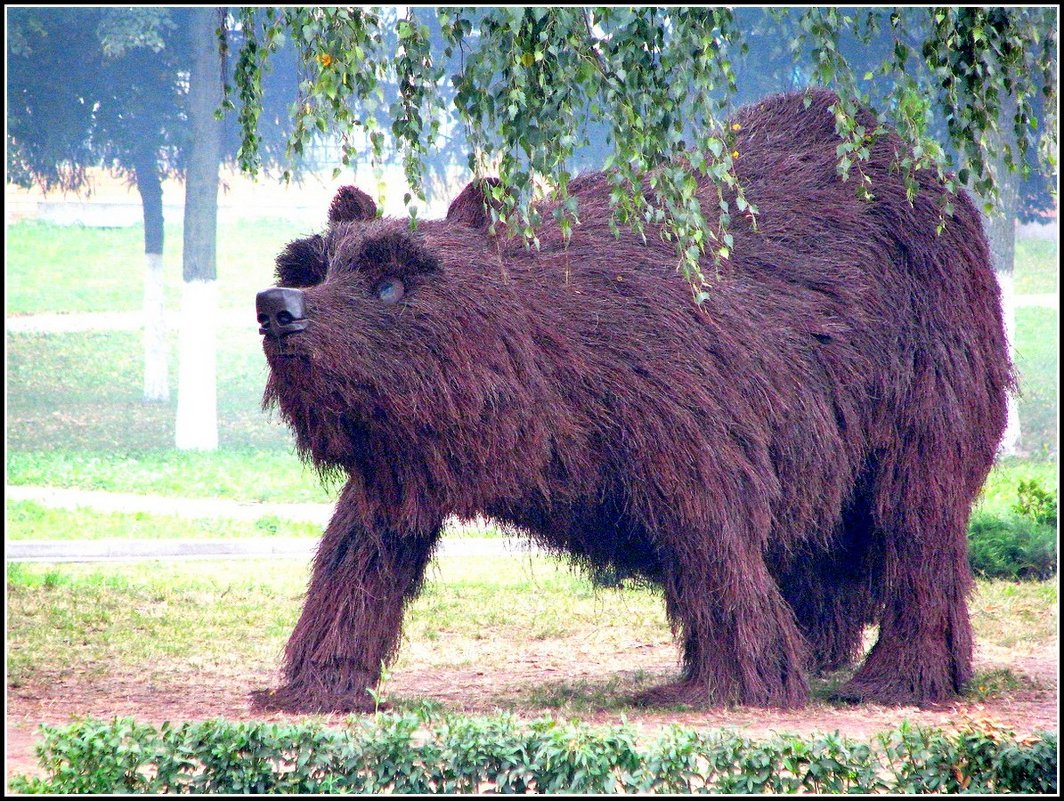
(156, 379)
(1000, 228)
(1010, 442)
(197, 407)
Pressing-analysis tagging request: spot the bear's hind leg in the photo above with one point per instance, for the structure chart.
(924, 651)
(830, 585)
(832, 607)
(739, 638)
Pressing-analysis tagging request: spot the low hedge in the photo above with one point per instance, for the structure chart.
(422, 753)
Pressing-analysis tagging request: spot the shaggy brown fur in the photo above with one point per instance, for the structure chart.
(792, 460)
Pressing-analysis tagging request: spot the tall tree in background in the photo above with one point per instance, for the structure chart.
(123, 103)
(119, 104)
(197, 413)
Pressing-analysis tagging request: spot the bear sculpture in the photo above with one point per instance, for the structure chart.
(791, 460)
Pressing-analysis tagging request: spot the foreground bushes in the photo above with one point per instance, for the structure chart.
(420, 754)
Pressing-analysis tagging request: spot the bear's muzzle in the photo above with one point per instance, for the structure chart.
(281, 311)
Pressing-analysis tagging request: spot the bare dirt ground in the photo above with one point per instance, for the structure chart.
(594, 682)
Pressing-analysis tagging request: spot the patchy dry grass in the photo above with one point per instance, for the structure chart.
(1013, 615)
(77, 618)
(486, 614)
(996, 683)
(92, 620)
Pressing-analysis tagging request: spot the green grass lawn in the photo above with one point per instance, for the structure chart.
(244, 474)
(84, 391)
(27, 520)
(999, 492)
(1037, 266)
(151, 619)
(71, 268)
(1038, 363)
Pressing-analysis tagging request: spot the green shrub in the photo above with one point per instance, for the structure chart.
(1011, 547)
(454, 754)
(1036, 503)
(270, 524)
(972, 761)
(91, 754)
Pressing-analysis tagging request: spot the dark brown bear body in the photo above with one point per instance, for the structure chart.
(792, 460)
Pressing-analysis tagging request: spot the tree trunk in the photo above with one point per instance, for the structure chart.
(149, 184)
(1010, 440)
(1000, 228)
(197, 408)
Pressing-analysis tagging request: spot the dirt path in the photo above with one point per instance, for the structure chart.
(536, 682)
(132, 503)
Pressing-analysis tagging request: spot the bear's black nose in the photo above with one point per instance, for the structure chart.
(281, 311)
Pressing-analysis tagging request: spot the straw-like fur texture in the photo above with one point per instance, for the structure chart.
(792, 460)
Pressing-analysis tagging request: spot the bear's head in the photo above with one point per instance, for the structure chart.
(404, 355)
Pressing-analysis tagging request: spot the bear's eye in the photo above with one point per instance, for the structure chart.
(390, 290)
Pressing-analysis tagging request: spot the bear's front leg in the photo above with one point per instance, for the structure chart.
(352, 616)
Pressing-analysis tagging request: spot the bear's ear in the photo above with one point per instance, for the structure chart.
(302, 263)
(470, 207)
(351, 204)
